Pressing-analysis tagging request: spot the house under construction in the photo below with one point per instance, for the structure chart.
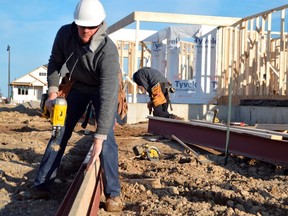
(213, 62)
(231, 64)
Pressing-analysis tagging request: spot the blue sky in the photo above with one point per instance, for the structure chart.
(29, 27)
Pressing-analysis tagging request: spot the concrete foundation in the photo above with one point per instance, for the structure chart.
(251, 115)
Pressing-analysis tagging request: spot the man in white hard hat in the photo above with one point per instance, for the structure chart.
(92, 60)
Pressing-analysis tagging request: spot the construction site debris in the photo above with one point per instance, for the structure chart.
(200, 158)
(244, 187)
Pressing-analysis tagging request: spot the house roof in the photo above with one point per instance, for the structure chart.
(37, 77)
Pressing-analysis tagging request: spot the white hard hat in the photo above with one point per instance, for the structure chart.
(89, 13)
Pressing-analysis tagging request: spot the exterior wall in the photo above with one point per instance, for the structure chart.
(138, 112)
(35, 81)
(251, 115)
(34, 94)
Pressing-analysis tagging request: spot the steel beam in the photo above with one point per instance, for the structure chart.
(262, 145)
(83, 195)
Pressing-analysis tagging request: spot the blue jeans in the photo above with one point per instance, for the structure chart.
(77, 103)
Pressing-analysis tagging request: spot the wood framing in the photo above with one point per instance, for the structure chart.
(252, 52)
(140, 16)
(84, 194)
(82, 201)
(258, 56)
(171, 18)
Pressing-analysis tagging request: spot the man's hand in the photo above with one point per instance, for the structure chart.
(97, 148)
(49, 102)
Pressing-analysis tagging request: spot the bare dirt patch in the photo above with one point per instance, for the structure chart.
(175, 185)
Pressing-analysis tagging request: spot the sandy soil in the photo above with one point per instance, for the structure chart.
(175, 185)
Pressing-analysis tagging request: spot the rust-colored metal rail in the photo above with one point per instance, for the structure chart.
(264, 145)
(83, 196)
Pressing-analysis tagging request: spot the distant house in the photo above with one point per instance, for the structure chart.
(31, 86)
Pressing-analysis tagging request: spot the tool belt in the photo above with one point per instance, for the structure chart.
(65, 86)
(122, 109)
(157, 96)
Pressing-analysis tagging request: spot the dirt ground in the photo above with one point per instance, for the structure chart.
(175, 185)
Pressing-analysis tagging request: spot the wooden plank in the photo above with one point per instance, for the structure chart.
(97, 196)
(121, 23)
(262, 45)
(246, 59)
(253, 76)
(219, 50)
(261, 14)
(227, 63)
(275, 137)
(84, 196)
(184, 18)
(231, 60)
(210, 150)
(171, 18)
(242, 81)
(282, 54)
(273, 127)
(239, 129)
(268, 51)
(68, 200)
(286, 68)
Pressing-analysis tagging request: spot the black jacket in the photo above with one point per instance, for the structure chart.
(148, 77)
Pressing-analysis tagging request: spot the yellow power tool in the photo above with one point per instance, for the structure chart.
(57, 115)
(146, 152)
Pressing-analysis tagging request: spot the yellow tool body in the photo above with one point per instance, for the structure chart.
(147, 152)
(58, 114)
